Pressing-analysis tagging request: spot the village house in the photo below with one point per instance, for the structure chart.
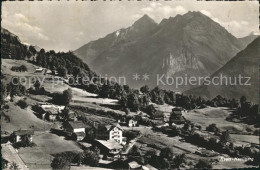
(132, 122)
(166, 116)
(73, 116)
(109, 132)
(38, 70)
(134, 165)
(128, 121)
(18, 135)
(176, 116)
(77, 129)
(110, 149)
(51, 114)
(45, 106)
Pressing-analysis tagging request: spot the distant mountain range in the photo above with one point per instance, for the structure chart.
(191, 44)
(246, 64)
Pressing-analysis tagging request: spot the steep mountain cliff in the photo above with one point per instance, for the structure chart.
(191, 44)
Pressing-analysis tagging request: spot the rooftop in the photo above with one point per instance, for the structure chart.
(51, 110)
(80, 133)
(110, 144)
(109, 127)
(77, 124)
(24, 132)
(134, 165)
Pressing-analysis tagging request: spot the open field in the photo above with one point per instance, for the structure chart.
(209, 115)
(10, 154)
(22, 119)
(47, 144)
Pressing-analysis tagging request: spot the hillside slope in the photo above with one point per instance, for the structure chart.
(246, 64)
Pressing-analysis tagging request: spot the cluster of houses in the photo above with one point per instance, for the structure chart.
(49, 112)
(107, 137)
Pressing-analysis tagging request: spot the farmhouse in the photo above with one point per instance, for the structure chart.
(38, 70)
(76, 129)
(75, 126)
(128, 121)
(109, 132)
(109, 148)
(132, 122)
(51, 114)
(176, 116)
(18, 135)
(73, 116)
(45, 106)
(166, 116)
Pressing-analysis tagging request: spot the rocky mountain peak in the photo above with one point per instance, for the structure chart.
(144, 21)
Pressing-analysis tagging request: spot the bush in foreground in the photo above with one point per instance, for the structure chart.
(22, 104)
(203, 164)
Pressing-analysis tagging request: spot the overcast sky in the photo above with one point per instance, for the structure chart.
(64, 26)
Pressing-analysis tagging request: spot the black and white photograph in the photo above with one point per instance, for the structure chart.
(130, 85)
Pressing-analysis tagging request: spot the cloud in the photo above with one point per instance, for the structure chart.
(233, 26)
(20, 25)
(158, 11)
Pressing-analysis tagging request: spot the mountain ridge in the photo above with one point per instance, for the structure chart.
(246, 64)
(193, 41)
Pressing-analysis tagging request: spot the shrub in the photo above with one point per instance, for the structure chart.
(90, 158)
(21, 68)
(213, 128)
(130, 135)
(60, 163)
(62, 98)
(22, 104)
(6, 107)
(166, 153)
(203, 164)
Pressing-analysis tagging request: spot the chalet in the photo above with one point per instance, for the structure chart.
(85, 145)
(79, 136)
(134, 163)
(48, 71)
(128, 121)
(51, 114)
(166, 116)
(73, 116)
(109, 148)
(45, 106)
(176, 116)
(109, 132)
(38, 70)
(132, 122)
(76, 129)
(7, 98)
(73, 127)
(18, 135)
